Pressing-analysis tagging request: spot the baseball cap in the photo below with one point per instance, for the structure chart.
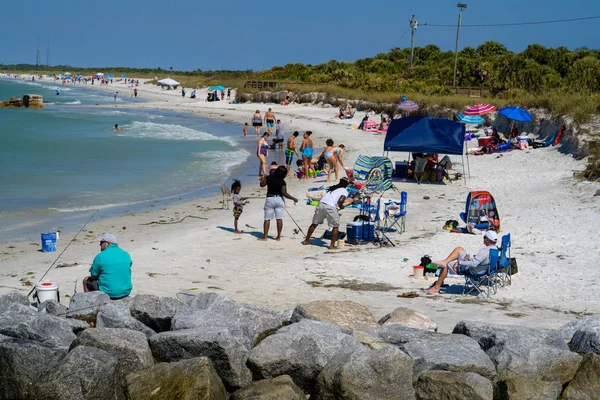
(109, 237)
(491, 235)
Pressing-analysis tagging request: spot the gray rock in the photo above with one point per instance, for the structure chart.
(77, 325)
(299, 350)
(586, 341)
(20, 321)
(346, 314)
(155, 312)
(227, 352)
(411, 318)
(279, 388)
(53, 307)
(113, 315)
(586, 382)
(569, 329)
(85, 373)
(437, 351)
(129, 347)
(531, 363)
(13, 297)
(85, 306)
(380, 374)
(22, 362)
(444, 385)
(210, 309)
(187, 379)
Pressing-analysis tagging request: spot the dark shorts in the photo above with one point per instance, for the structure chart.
(278, 140)
(257, 124)
(289, 156)
(237, 211)
(91, 285)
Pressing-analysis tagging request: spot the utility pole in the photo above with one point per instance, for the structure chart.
(461, 7)
(413, 24)
(38, 55)
(48, 54)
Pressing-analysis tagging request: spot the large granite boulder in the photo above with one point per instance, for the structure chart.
(346, 314)
(586, 340)
(155, 312)
(383, 374)
(246, 319)
(85, 305)
(407, 317)
(113, 315)
(437, 351)
(23, 362)
(85, 373)
(585, 385)
(569, 329)
(279, 388)
(227, 352)
(444, 385)
(20, 321)
(300, 350)
(129, 347)
(531, 363)
(194, 378)
(53, 307)
(13, 297)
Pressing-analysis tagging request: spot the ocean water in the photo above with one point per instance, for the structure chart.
(61, 163)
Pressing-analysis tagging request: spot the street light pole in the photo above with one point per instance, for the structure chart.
(461, 7)
(413, 25)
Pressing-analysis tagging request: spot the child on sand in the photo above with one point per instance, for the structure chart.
(238, 203)
(245, 130)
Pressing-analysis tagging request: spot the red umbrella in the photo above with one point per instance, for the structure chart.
(479, 109)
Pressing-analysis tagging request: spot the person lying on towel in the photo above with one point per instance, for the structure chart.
(459, 262)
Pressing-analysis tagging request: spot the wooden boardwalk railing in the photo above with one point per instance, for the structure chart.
(471, 92)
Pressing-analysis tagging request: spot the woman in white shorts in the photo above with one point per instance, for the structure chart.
(274, 203)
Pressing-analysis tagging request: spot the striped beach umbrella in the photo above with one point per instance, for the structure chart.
(479, 109)
(470, 119)
(407, 105)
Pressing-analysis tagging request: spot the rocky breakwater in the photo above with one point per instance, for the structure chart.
(211, 347)
(28, 101)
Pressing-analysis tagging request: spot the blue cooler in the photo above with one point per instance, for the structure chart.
(401, 169)
(359, 230)
(49, 242)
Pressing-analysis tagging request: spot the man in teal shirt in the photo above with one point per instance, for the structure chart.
(111, 270)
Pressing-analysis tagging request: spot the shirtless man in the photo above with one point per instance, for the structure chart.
(291, 150)
(270, 120)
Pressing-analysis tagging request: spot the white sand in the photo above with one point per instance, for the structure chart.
(553, 219)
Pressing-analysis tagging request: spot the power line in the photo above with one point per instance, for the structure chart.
(404, 34)
(556, 21)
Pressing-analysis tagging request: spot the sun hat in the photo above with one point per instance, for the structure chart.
(491, 235)
(109, 237)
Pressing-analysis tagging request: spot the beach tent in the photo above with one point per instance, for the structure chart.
(219, 87)
(168, 82)
(426, 135)
(481, 212)
(100, 74)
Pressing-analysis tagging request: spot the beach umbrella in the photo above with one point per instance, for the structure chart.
(124, 75)
(470, 119)
(66, 73)
(219, 87)
(407, 105)
(516, 114)
(110, 76)
(168, 82)
(479, 109)
(100, 74)
(78, 76)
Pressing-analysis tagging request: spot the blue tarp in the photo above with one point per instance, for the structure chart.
(425, 135)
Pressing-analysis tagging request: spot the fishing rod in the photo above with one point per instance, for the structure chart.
(65, 249)
(300, 229)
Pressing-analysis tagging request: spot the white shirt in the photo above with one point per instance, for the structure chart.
(332, 198)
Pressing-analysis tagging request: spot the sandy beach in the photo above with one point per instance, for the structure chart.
(552, 217)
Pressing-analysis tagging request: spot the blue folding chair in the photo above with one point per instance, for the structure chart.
(504, 265)
(398, 218)
(485, 282)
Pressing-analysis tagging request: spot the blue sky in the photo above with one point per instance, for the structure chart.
(242, 34)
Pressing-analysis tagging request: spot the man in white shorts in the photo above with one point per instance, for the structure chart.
(336, 196)
(459, 262)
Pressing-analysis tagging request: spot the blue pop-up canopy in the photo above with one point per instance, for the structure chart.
(425, 135)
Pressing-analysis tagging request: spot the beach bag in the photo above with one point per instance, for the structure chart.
(514, 269)
(523, 145)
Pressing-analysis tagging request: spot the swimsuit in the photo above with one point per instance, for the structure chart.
(289, 156)
(328, 154)
(257, 121)
(307, 152)
(270, 123)
(263, 149)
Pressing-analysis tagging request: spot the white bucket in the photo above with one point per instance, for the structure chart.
(46, 291)
(418, 271)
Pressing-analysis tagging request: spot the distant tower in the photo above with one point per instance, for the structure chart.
(48, 54)
(38, 55)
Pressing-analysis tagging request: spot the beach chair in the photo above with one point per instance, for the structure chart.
(396, 219)
(420, 164)
(504, 265)
(226, 196)
(484, 283)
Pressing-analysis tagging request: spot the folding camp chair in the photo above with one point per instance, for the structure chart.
(420, 164)
(397, 218)
(226, 196)
(504, 265)
(484, 283)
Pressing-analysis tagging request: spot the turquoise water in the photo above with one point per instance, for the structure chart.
(65, 161)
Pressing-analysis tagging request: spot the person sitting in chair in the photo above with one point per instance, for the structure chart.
(460, 263)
